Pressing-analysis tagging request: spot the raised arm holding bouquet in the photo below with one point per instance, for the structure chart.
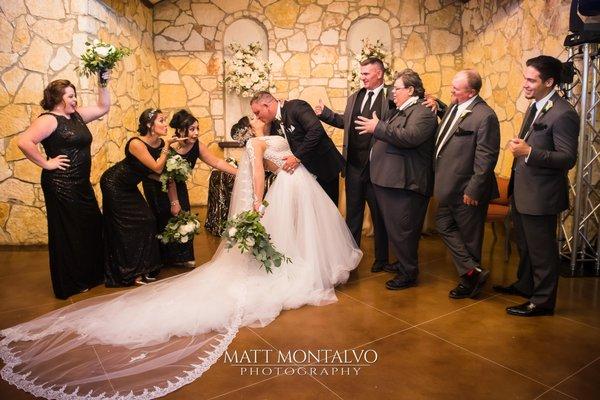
(100, 57)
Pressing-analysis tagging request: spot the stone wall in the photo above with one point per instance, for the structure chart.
(498, 37)
(307, 46)
(178, 62)
(41, 41)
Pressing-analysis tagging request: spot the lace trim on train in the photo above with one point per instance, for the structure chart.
(54, 393)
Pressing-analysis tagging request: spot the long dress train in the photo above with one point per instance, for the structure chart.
(147, 342)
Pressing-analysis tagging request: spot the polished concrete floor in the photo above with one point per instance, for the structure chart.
(427, 345)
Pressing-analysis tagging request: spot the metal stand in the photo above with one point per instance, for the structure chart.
(579, 233)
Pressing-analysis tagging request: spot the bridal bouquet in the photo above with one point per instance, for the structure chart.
(100, 56)
(247, 73)
(176, 168)
(247, 233)
(180, 229)
(370, 50)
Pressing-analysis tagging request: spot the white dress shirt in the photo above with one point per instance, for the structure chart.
(375, 94)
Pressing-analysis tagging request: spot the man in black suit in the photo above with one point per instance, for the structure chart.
(310, 145)
(467, 147)
(544, 152)
(373, 97)
(402, 172)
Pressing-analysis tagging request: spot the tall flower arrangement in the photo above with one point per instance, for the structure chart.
(247, 73)
(370, 50)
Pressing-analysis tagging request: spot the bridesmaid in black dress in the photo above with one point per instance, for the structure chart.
(74, 219)
(131, 248)
(191, 149)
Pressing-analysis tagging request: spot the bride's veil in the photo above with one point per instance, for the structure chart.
(116, 346)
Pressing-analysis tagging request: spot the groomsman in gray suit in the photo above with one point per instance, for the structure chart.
(402, 172)
(544, 152)
(371, 98)
(466, 151)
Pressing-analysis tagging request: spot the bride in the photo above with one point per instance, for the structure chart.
(147, 342)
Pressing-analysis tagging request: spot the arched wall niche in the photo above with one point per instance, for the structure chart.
(369, 27)
(243, 31)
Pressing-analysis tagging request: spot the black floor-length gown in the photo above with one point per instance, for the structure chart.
(74, 219)
(131, 246)
(171, 253)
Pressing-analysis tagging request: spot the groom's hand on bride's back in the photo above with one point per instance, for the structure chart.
(291, 163)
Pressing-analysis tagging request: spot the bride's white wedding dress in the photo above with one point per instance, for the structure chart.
(150, 341)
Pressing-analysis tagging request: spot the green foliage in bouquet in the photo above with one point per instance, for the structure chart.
(181, 228)
(100, 56)
(177, 168)
(247, 233)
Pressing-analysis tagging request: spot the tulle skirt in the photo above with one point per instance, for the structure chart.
(149, 341)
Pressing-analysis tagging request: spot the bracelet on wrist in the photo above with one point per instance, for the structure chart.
(174, 202)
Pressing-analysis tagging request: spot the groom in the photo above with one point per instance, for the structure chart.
(297, 122)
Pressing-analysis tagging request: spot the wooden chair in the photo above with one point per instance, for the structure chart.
(499, 211)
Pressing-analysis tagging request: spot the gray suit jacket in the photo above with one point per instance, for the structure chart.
(540, 184)
(465, 162)
(344, 121)
(403, 149)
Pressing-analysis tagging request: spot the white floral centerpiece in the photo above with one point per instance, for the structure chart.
(99, 57)
(247, 73)
(180, 229)
(370, 50)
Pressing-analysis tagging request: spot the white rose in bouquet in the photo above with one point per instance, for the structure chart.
(102, 51)
(180, 229)
(250, 242)
(231, 232)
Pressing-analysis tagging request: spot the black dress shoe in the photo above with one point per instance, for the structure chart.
(477, 280)
(528, 309)
(473, 286)
(460, 292)
(401, 281)
(510, 289)
(379, 266)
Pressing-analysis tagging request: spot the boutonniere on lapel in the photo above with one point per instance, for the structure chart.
(464, 114)
(548, 106)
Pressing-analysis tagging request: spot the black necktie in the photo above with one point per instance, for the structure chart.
(366, 111)
(447, 126)
(528, 121)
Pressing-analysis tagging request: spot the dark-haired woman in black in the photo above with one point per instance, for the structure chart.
(74, 219)
(191, 149)
(131, 248)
